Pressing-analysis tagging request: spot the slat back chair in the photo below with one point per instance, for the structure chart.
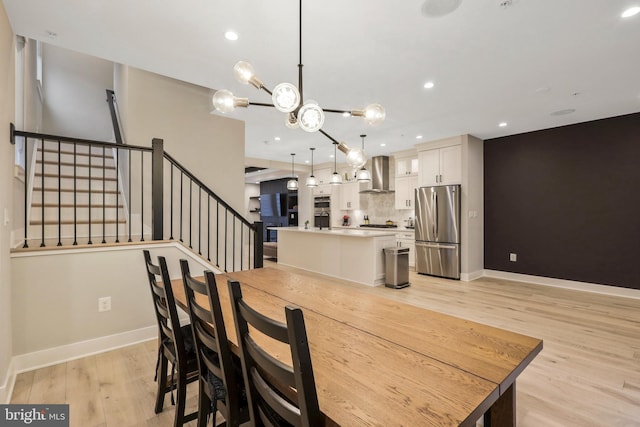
(221, 385)
(175, 343)
(278, 394)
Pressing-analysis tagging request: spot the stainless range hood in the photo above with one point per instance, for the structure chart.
(379, 175)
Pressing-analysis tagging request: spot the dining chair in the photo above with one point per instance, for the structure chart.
(175, 343)
(221, 385)
(278, 394)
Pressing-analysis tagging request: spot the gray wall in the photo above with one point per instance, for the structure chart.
(566, 201)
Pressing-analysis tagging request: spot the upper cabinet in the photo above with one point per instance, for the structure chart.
(350, 196)
(440, 166)
(407, 166)
(323, 175)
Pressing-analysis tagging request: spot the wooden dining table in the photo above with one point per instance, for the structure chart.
(379, 362)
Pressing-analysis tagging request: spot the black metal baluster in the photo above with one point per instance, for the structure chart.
(226, 230)
(75, 198)
(208, 228)
(130, 159)
(241, 245)
(171, 201)
(117, 193)
(190, 213)
(104, 192)
(142, 196)
(199, 220)
(217, 234)
(42, 245)
(181, 202)
(26, 190)
(90, 157)
(233, 244)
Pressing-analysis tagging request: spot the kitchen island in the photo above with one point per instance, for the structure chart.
(350, 254)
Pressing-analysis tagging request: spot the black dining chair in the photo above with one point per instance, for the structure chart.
(278, 394)
(221, 383)
(175, 343)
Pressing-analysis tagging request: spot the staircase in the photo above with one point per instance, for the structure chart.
(76, 196)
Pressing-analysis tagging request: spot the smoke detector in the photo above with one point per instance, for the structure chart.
(438, 8)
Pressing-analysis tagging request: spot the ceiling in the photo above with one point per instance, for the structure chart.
(491, 61)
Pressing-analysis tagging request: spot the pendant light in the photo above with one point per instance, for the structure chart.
(336, 179)
(363, 175)
(292, 184)
(311, 180)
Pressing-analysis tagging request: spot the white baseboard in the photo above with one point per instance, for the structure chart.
(7, 388)
(64, 353)
(467, 277)
(566, 284)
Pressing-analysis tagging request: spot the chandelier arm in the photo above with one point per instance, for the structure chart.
(333, 110)
(261, 104)
(329, 136)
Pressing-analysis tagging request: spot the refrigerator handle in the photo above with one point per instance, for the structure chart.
(436, 216)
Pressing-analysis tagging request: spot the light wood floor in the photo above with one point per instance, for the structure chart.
(588, 373)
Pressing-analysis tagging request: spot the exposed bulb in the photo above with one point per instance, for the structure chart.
(374, 114)
(356, 158)
(286, 97)
(243, 72)
(225, 102)
(310, 117)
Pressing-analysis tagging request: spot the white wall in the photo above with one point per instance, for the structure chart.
(210, 146)
(7, 79)
(55, 294)
(472, 261)
(74, 94)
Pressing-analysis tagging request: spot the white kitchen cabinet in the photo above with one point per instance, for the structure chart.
(349, 196)
(407, 166)
(440, 166)
(323, 175)
(405, 191)
(322, 190)
(406, 239)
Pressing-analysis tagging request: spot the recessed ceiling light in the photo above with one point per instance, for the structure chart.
(630, 12)
(307, 161)
(419, 137)
(231, 35)
(563, 112)
(502, 124)
(383, 145)
(428, 85)
(346, 114)
(277, 138)
(331, 156)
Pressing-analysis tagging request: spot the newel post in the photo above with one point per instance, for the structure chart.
(258, 250)
(157, 189)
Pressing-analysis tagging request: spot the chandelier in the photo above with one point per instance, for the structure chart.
(288, 98)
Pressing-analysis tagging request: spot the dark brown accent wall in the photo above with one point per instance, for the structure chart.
(566, 201)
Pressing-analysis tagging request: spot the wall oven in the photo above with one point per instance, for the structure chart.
(322, 211)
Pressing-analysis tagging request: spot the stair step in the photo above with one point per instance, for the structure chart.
(77, 205)
(79, 165)
(79, 222)
(97, 178)
(70, 190)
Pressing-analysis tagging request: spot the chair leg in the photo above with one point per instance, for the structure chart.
(204, 405)
(181, 388)
(162, 383)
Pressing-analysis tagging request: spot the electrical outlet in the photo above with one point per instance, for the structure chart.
(513, 257)
(104, 304)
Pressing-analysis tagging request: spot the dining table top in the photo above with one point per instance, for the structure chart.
(379, 362)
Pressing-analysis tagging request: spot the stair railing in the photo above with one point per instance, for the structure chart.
(148, 185)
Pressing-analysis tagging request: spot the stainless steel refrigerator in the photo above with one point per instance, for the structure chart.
(438, 231)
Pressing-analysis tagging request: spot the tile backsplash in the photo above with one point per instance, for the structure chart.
(380, 207)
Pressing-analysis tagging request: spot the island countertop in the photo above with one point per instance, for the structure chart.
(349, 232)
